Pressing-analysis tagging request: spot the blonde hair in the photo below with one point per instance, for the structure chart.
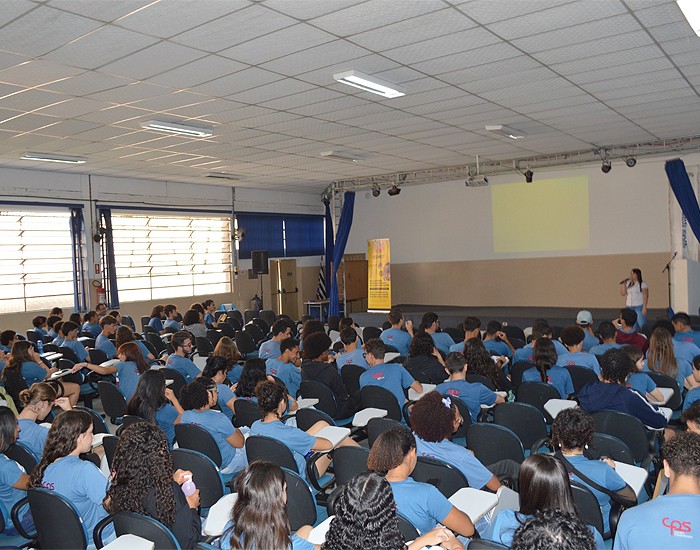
(41, 391)
(660, 357)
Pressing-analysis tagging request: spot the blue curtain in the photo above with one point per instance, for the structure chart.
(109, 270)
(339, 248)
(77, 224)
(683, 189)
(303, 235)
(328, 256)
(262, 232)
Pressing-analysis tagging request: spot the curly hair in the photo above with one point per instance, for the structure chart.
(269, 395)
(616, 365)
(365, 516)
(553, 529)
(61, 440)
(682, 453)
(260, 514)
(544, 355)
(421, 344)
(227, 349)
(315, 345)
(390, 449)
(142, 465)
(479, 360)
(433, 417)
(312, 326)
(573, 429)
(148, 397)
(572, 335)
(692, 414)
(253, 373)
(195, 395)
(660, 357)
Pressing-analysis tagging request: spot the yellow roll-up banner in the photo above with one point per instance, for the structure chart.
(379, 275)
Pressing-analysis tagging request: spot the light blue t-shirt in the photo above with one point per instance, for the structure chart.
(690, 336)
(32, 435)
(525, 353)
(32, 373)
(458, 456)
(225, 395)
(581, 359)
(473, 395)
(391, 376)
(220, 427)
(641, 382)
(105, 344)
(600, 349)
(78, 348)
(457, 348)
(184, 366)
(685, 369)
(58, 341)
(93, 329)
(127, 378)
(209, 319)
(420, 503)
(235, 373)
(144, 350)
(669, 521)
(297, 542)
(10, 472)
(298, 441)
(171, 323)
(398, 338)
(269, 349)
(687, 351)
(589, 341)
(558, 377)
(355, 357)
(287, 372)
(495, 347)
(156, 324)
(166, 416)
(691, 397)
(443, 341)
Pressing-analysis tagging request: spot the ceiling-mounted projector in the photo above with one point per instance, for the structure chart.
(476, 181)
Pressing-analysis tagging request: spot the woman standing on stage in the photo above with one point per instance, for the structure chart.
(637, 292)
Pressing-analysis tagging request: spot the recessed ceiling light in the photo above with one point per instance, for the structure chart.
(339, 155)
(370, 84)
(506, 131)
(50, 157)
(691, 10)
(177, 128)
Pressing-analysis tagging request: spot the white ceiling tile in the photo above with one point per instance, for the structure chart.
(131, 92)
(170, 101)
(303, 98)
(228, 86)
(653, 16)
(153, 60)
(73, 107)
(11, 9)
(622, 71)
(682, 46)
(31, 100)
(8, 60)
(28, 123)
(36, 73)
(198, 72)
(68, 128)
(603, 61)
(206, 109)
(113, 115)
(274, 91)
(307, 9)
(102, 11)
(488, 11)
(316, 58)
(622, 42)
(89, 82)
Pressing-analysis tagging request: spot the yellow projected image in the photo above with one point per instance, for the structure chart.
(541, 216)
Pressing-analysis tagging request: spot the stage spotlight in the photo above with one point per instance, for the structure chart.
(376, 190)
(630, 161)
(393, 191)
(528, 175)
(606, 166)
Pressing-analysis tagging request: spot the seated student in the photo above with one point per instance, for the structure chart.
(546, 369)
(683, 351)
(607, 333)
(472, 329)
(38, 401)
(540, 329)
(684, 332)
(431, 324)
(216, 369)
(352, 353)
(178, 360)
(130, 367)
(7, 338)
(315, 365)
(496, 341)
(544, 485)
(691, 418)
(693, 395)
(554, 529)
(626, 334)
(395, 336)
(156, 404)
(61, 469)
(76, 318)
(144, 481)
(584, 321)
(103, 342)
(281, 329)
(481, 363)
(272, 400)
(197, 399)
(391, 376)
(209, 309)
(51, 321)
(118, 316)
(365, 517)
(669, 521)
(91, 326)
(661, 358)
(394, 455)
(124, 335)
(39, 324)
(199, 308)
(14, 481)
(57, 311)
(434, 418)
(25, 360)
(171, 318)
(640, 381)
(192, 322)
(572, 432)
(259, 517)
(69, 331)
(227, 349)
(612, 392)
(253, 373)
(472, 395)
(424, 361)
(572, 338)
(101, 309)
(157, 317)
(285, 367)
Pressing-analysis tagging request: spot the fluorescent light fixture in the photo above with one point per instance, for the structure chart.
(370, 84)
(223, 176)
(506, 131)
(176, 128)
(339, 155)
(50, 157)
(691, 10)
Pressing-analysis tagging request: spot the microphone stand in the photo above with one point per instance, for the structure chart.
(667, 269)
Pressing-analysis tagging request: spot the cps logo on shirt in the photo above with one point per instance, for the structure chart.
(378, 376)
(678, 528)
(453, 392)
(47, 485)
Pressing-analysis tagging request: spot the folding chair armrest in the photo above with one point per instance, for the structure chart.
(543, 442)
(14, 514)
(99, 528)
(312, 475)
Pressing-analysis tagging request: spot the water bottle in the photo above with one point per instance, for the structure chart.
(40, 346)
(188, 487)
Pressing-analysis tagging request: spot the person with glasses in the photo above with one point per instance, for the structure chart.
(178, 360)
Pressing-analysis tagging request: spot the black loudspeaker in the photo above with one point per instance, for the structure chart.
(260, 263)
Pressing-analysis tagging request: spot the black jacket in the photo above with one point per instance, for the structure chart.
(187, 526)
(426, 369)
(327, 374)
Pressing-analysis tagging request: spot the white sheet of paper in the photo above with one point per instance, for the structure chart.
(390, 356)
(362, 417)
(60, 374)
(413, 395)
(666, 392)
(473, 502)
(109, 363)
(318, 533)
(219, 515)
(130, 542)
(507, 500)
(334, 434)
(305, 403)
(555, 406)
(634, 476)
(97, 439)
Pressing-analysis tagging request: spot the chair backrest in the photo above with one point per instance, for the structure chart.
(351, 377)
(301, 506)
(259, 447)
(14, 384)
(22, 456)
(179, 381)
(478, 378)
(144, 527)
(262, 324)
(255, 331)
(99, 426)
(204, 347)
(97, 356)
(348, 462)
(407, 529)
(491, 443)
(377, 426)
(370, 332)
(581, 376)
(68, 353)
(523, 419)
(149, 330)
(128, 321)
(318, 390)
(57, 522)
(466, 419)
(268, 316)
(249, 315)
(665, 381)
(627, 429)
(128, 420)
(193, 437)
(445, 477)
(205, 474)
(483, 544)
(214, 335)
(588, 506)
(156, 341)
(380, 398)
(235, 323)
(608, 445)
(145, 319)
(537, 394)
(309, 416)
(109, 443)
(244, 342)
(516, 372)
(245, 413)
(33, 336)
(455, 333)
(514, 331)
(113, 401)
